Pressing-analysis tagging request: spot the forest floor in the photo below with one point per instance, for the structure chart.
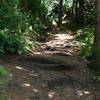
(54, 72)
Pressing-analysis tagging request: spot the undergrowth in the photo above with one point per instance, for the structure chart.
(85, 37)
(4, 80)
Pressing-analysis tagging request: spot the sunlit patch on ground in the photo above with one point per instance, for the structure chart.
(63, 36)
(33, 74)
(21, 68)
(51, 94)
(60, 43)
(26, 85)
(35, 90)
(80, 93)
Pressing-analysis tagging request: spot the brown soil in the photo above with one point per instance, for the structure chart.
(55, 72)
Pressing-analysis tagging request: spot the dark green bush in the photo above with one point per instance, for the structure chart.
(11, 42)
(15, 32)
(85, 38)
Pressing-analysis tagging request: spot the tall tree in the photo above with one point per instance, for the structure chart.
(76, 10)
(81, 12)
(60, 13)
(95, 63)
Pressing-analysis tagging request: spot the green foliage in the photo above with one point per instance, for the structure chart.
(52, 8)
(4, 79)
(89, 11)
(4, 76)
(19, 24)
(72, 12)
(2, 71)
(11, 41)
(14, 28)
(36, 15)
(85, 38)
(36, 23)
(4, 98)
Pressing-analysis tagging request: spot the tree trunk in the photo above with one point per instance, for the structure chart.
(95, 63)
(76, 11)
(73, 6)
(60, 13)
(81, 12)
(24, 4)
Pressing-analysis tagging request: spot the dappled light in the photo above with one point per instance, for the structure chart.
(48, 50)
(61, 42)
(86, 92)
(64, 36)
(80, 93)
(35, 90)
(51, 94)
(33, 74)
(21, 68)
(26, 85)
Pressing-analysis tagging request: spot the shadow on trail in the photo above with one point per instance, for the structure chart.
(61, 82)
(41, 77)
(54, 63)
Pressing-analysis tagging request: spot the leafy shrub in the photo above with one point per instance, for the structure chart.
(89, 12)
(3, 98)
(85, 38)
(15, 32)
(11, 41)
(4, 76)
(4, 79)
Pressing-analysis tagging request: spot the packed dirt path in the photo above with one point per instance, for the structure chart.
(55, 72)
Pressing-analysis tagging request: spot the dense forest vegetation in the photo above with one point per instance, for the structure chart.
(25, 23)
(21, 22)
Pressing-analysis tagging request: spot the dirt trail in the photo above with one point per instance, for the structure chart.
(53, 73)
(63, 43)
